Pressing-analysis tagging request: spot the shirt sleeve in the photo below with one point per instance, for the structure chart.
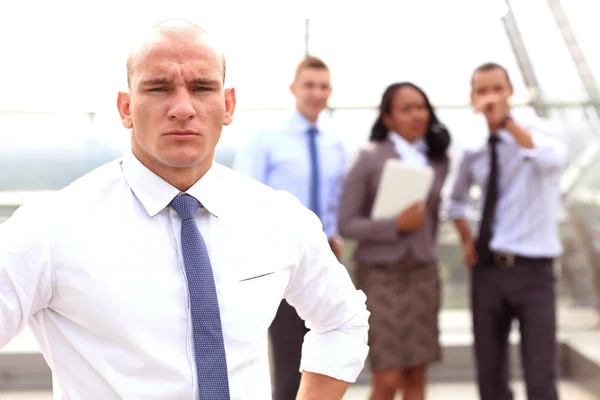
(549, 150)
(252, 159)
(324, 296)
(25, 275)
(459, 201)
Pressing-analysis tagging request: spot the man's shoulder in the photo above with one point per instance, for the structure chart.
(332, 137)
(547, 127)
(246, 194)
(471, 151)
(79, 194)
(268, 134)
(532, 121)
(95, 182)
(276, 126)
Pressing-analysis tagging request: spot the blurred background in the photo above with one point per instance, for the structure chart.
(64, 61)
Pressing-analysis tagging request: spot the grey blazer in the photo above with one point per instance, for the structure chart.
(379, 240)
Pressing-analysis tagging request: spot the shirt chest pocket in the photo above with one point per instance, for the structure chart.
(481, 171)
(250, 301)
(289, 162)
(331, 164)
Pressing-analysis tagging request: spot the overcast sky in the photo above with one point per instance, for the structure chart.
(70, 55)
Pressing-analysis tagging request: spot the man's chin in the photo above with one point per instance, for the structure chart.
(184, 160)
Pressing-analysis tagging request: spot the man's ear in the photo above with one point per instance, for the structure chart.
(123, 102)
(229, 105)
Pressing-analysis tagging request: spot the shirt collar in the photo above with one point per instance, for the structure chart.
(301, 124)
(505, 136)
(404, 145)
(155, 193)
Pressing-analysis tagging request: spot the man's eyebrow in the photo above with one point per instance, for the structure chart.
(156, 81)
(165, 81)
(205, 81)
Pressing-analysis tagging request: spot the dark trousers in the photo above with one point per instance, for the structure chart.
(287, 335)
(499, 294)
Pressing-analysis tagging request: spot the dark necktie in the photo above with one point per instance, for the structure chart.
(484, 253)
(211, 363)
(315, 173)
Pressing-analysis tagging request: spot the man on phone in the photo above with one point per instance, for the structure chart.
(511, 258)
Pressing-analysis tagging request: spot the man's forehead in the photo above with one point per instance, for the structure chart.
(320, 75)
(174, 49)
(162, 50)
(491, 74)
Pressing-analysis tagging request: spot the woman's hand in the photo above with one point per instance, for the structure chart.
(412, 218)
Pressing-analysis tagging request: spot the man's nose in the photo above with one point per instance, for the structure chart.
(183, 107)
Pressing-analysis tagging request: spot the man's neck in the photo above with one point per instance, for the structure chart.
(493, 129)
(182, 178)
(311, 119)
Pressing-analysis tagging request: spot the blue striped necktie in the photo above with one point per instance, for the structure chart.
(211, 363)
(315, 172)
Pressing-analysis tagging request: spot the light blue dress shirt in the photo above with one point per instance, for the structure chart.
(279, 157)
(528, 209)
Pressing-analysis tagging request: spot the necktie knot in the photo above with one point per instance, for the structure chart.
(312, 131)
(185, 205)
(493, 140)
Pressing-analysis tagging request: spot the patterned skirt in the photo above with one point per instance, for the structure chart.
(404, 301)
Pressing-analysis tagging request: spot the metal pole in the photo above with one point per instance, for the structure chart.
(517, 44)
(306, 36)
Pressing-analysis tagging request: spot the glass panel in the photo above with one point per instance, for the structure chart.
(583, 17)
(46, 152)
(552, 63)
(399, 45)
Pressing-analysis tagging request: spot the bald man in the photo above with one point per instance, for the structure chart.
(156, 276)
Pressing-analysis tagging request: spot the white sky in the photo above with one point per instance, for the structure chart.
(69, 55)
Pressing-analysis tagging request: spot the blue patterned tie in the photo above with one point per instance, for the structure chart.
(211, 363)
(315, 184)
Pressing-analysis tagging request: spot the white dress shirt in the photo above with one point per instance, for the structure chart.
(410, 153)
(96, 270)
(527, 212)
(279, 157)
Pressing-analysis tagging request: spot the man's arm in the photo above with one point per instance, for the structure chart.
(458, 208)
(441, 168)
(321, 291)
(547, 149)
(25, 276)
(317, 387)
(252, 158)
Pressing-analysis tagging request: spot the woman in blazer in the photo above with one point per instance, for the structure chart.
(395, 258)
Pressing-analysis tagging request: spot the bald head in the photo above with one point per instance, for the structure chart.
(170, 30)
